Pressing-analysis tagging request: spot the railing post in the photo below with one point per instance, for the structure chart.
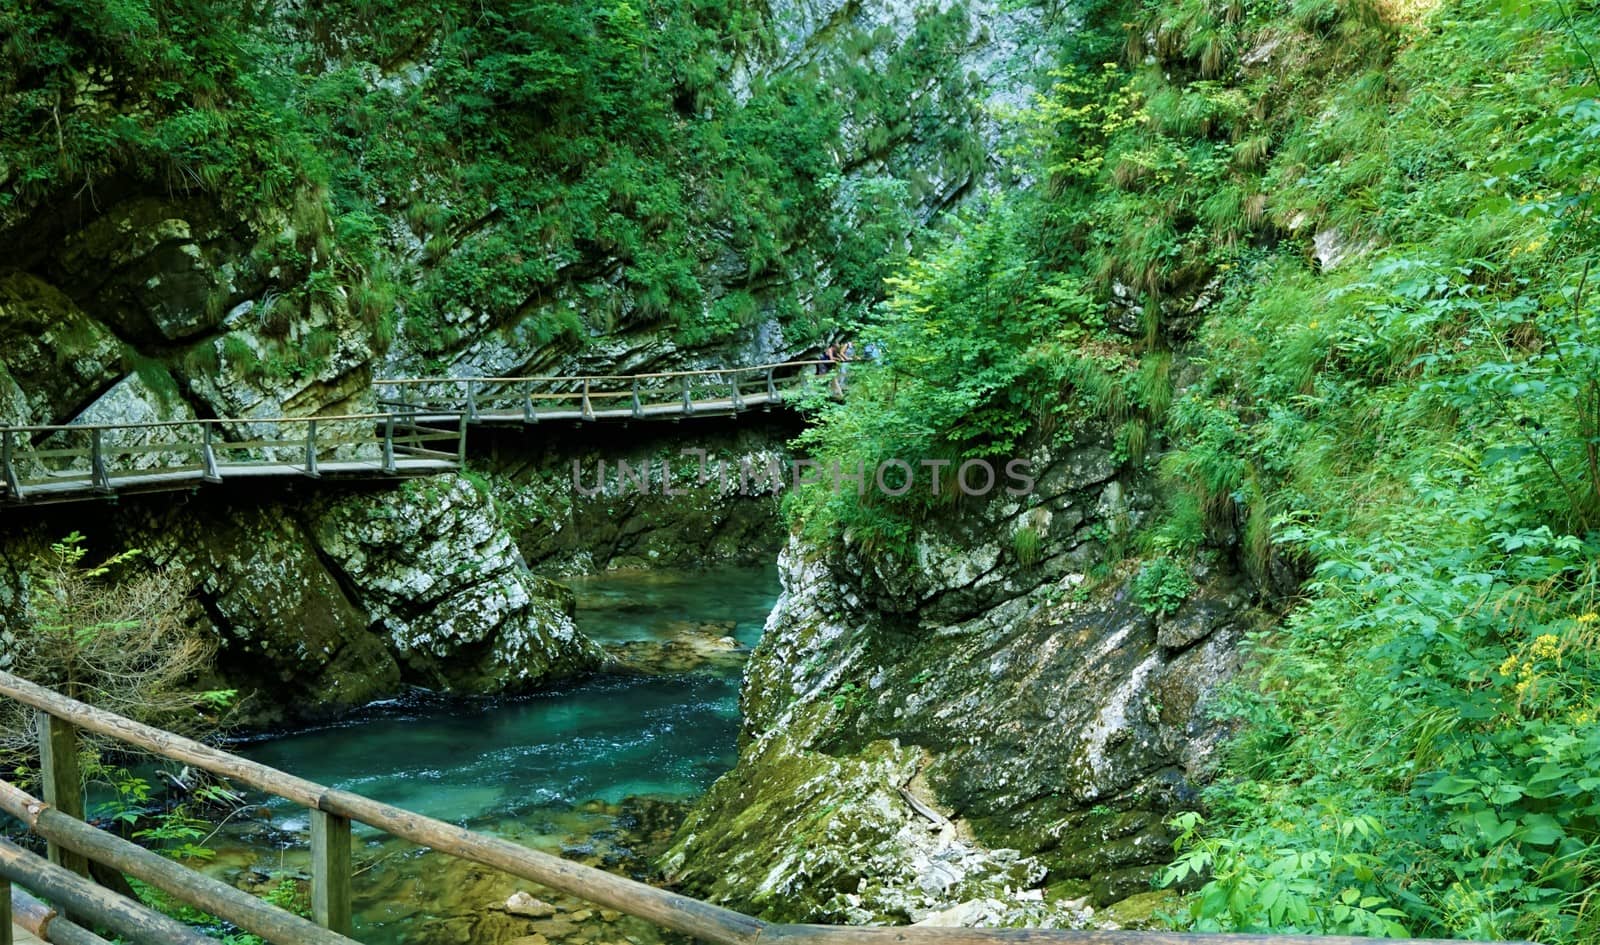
(772, 389)
(208, 455)
(388, 443)
(588, 408)
(738, 401)
(461, 443)
(330, 871)
(97, 462)
(530, 413)
(13, 481)
(472, 400)
(5, 911)
(638, 408)
(63, 783)
(311, 450)
(688, 401)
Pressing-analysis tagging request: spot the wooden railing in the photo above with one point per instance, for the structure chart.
(72, 843)
(45, 463)
(669, 394)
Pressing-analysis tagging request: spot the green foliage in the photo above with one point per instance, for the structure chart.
(1161, 586)
(545, 145)
(111, 634)
(1027, 542)
(1414, 418)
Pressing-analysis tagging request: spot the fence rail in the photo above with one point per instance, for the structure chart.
(56, 463)
(333, 811)
(662, 395)
(421, 431)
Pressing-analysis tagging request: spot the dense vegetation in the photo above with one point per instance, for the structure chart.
(551, 170)
(1323, 267)
(1363, 235)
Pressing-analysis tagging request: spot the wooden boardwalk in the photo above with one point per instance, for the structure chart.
(421, 431)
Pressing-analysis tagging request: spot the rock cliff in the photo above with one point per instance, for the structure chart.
(967, 726)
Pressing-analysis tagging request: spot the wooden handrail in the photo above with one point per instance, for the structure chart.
(202, 892)
(82, 897)
(196, 422)
(699, 372)
(711, 923)
(46, 924)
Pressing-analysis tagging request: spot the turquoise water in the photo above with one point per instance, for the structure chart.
(649, 605)
(590, 770)
(607, 739)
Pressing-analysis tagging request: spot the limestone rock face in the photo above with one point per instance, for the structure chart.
(1055, 725)
(290, 634)
(133, 400)
(327, 602)
(568, 518)
(446, 585)
(53, 356)
(836, 839)
(151, 267)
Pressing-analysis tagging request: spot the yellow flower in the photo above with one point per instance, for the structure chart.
(1523, 685)
(1546, 647)
(1508, 665)
(1589, 617)
(1312, 326)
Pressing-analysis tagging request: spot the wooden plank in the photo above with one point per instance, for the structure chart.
(82, 897)
(330, 871)
(63, 782)
(202, 892)
(42, 923)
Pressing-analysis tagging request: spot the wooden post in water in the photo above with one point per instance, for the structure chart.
(63, 782)
(330, 871)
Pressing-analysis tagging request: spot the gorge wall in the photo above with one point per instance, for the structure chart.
(150, 276)
(971, 733)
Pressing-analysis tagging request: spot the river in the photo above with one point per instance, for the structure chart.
(597, 771)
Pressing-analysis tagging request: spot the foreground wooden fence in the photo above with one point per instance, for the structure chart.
(72, 844)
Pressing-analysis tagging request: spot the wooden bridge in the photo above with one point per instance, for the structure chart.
(422, 430)
(80, 909)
